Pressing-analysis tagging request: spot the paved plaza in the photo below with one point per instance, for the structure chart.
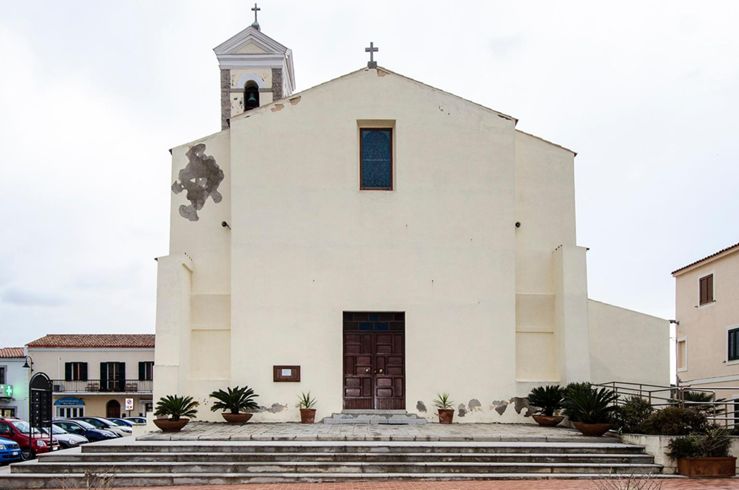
(208, 431)
(470, 485)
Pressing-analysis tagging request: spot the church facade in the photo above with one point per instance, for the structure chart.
(377, 241)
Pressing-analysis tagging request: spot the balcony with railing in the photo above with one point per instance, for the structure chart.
(92, 386)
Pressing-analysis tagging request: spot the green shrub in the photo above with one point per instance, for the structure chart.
(587, 404)
(675, 421)
(546, 399)
(174, 407)
(629, 417)
(306, 400)
(234, 400)
(714, 443)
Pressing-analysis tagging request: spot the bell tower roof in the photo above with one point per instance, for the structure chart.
(252, 58)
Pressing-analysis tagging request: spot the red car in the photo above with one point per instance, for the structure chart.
(19, 431)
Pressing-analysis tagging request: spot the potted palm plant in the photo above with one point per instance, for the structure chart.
(547, 400)
(174, 412)
(705, 455)
(235, 402)
(589, 408)
(445, 407)
(306, 402)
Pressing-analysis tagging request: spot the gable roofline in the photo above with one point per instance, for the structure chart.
(227, 46)
(574, 153)
(261, 109)
(709, 258)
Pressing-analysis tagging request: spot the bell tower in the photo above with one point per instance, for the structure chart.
(255, 70)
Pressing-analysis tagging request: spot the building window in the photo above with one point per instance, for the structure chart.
(682, 355)
(146, 371)
(7, 412)
(113, 376)
(70, 412)
(706, 289)
(733, 353)
(376, 158)
(75, 371)
(2, 375)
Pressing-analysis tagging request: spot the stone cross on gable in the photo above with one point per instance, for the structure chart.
(256, 10)
(371, 50)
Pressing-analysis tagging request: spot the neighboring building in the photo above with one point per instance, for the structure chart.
(96, 375)
(13, 383)
(377, 241)
(707, 309)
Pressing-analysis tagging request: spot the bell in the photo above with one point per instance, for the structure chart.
(251, 100)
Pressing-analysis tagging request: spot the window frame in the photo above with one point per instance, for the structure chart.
(3, 375)
(684, 367)
(729, 331)
(380, 125)
(146, 368)
(76, 371)
(704, 299)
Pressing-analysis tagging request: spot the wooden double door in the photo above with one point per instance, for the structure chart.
(374, 360)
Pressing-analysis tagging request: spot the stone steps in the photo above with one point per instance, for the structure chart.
(336, 447)
(222, 462)
(52, 480)
(203, 457)
(353, 417)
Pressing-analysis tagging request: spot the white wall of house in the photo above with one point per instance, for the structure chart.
(17, 377)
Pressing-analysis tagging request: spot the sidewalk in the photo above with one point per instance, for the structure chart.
(681, 484)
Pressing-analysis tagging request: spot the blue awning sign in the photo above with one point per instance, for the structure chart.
(69, 401)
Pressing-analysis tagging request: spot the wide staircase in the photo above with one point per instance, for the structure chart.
(160, 463)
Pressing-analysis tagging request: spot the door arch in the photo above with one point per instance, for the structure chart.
(112, 409)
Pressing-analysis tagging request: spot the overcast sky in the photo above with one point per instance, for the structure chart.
(93, 94)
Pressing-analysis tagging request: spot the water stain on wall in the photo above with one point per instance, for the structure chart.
(200, 178)
(420, 406)
(474, 405)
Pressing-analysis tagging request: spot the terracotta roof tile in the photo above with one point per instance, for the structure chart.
(95, 341)
(11, 352)
(727, 249)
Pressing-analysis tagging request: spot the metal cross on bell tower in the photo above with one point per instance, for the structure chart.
(371, 50)
(256, 10)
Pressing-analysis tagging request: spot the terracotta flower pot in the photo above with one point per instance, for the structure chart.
(592, 430)
(446, 415)
(236, 418)
(307, 415)
(168, 425)
(707, 467)
(548, 420)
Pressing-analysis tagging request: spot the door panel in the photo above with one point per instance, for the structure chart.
(374, 361)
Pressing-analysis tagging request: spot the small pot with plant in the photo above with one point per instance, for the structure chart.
(445, 407)
(704, 455)
(547, 400)
(173, 412)
(589, 408)
(306, 402)
(235, 403)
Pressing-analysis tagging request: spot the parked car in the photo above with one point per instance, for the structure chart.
(10, 451)
(136, 420)
(89, 431)
(121, 422)
(20, 432)
(65, 439)
(101, 423)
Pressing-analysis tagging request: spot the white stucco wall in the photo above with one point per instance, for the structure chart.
(491, 309)
(628, 346)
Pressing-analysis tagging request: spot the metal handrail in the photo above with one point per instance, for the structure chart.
(716, 410)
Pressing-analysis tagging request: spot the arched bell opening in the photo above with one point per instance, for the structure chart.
(251, 95)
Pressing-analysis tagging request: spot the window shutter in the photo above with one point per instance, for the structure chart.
(67, 371)
(104, 376)
(709, 288)
(142, 371)
(122, 381)
(83, 371)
